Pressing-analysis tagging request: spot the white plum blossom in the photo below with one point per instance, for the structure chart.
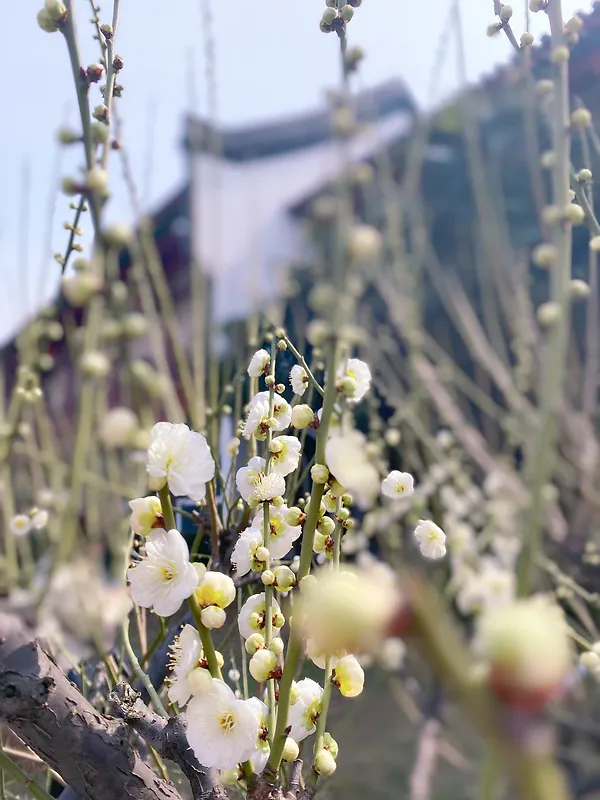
(164, 578)
(266, 488)
(243, 556)
(259, 363)
(298, 380)
(186, 656)
(181, 459)
(360, 376)
(258, 415)
(345, 454)
(262, 750)
(257, 422)
(281, 535)
(398, 484)
(146, 514)
(285, 454)
(305, 711)
(431, 539)
(20, 525)
(39, 519)
(246, 476)
(251, 618)
(221, 730)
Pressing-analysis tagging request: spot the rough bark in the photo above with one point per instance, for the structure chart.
(168, 738)
(92, 753)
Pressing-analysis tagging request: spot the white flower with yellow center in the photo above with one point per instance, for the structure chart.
(431, 539)
(181, 459)
(349, 676)
(186, 659)
(298, 380)
(346, 457)
(281, 417)
(266, 488)
(221, 730)
(246, 477)
(281, 535)
(285, 454)
(257, 421)
(146, 514)
(259, 363)
(164, 578)
(303, 715)
(355, 379)
(20, 525)
(260, 756)
(251, 618)
(243, 556)
(398, 484)
(215, 589)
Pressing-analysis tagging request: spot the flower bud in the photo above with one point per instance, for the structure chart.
(584, 175)
(302, 416)
(324, 763)
(329, 743)
(545, 86)
(68, 136)
(544, 255)
(560, 54)
(262, 554)
(549, 314)
(578, 289)
(506, 13)
(284, 578)
(595, 244)
(277, 646)
(319, 473)
(291, 750)
(364, 243)
(347, 12)
(254, 643)
(295, 516)
(329, 15)
(262, 664)
(100, 113)
(326, 526)
(45, 21)
(199, 681)
(56, 10)
(213, 617)
(574, 214)
(581, 118)
(117, 235)
(117, 429)
(95, 364)
(96, 181)
(552, 215)
(267, 577)
(229, 777)
(526, 39)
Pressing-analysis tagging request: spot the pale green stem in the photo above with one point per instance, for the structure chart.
(141, 675)
(8, 767)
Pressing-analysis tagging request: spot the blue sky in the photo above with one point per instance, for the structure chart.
(270, 60)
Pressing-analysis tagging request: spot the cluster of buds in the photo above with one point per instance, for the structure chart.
(335, 19)
(52, 16)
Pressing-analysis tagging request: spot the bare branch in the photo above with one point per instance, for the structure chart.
(168, 738)
(91, 752)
